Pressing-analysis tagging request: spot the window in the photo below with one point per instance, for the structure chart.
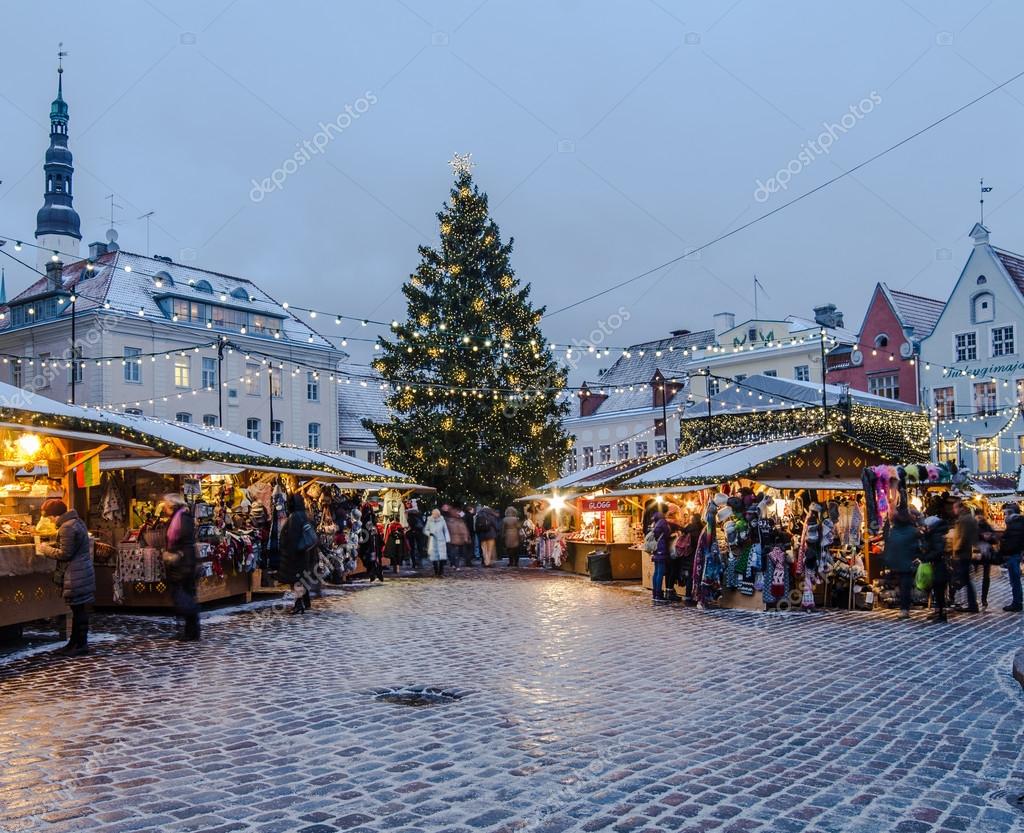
(622, 451)
(375, 457)
(209, 371)
(966, 347)
(252, 428)
(752, 334)
(881, 340)
(204, 286)
(351, 452)
(133, 365)
(573, 464)
(983, 308)
(988, 454)
(182, 371)
(985, 398)
(946, 451)
(210, 420)
(76, 373)
(42, 379)
(713, 387)
(275, 382)
(252, 378)
(606, 453)
(313, 435)
(887, 385)
(16, 374)
(802, 373)
(1002, 341)
(276, 431)
(182, 416)
(660, 446)
(641, 450)
(740, 377)
(945, 404)
(982, 279)
(588, 457)
(771, 373)
(312, 386)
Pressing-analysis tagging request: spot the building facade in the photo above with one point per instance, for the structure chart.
(972, 369)
(146, 334)
(621, 416)
(360, 397)
(884, 361)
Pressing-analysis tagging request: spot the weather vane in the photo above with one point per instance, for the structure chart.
(462, 163)
(61, 55)
(984, 190)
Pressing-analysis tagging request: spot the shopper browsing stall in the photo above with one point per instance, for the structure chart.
(438, 539)
(180, 563)
(75, 570)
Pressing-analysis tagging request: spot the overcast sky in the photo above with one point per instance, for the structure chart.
(610, 136)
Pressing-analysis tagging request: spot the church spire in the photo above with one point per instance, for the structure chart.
(58, 226)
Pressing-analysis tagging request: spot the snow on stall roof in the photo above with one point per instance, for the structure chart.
(719, 463)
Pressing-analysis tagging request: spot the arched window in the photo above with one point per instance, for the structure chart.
(881, 340)
(203, 286)
(240, 294)
(983, 308)
(162, 279)
(982, 279)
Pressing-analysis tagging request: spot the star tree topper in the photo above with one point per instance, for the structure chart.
(462, 163)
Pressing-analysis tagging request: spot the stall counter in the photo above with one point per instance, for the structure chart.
(625, 559)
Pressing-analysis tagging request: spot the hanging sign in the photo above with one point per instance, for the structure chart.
(190, 487)
(601, 504)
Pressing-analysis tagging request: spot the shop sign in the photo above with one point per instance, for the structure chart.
(605, 504)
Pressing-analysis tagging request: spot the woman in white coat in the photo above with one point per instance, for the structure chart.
(436, 531)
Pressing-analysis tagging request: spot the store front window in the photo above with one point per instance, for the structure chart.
(988, 454)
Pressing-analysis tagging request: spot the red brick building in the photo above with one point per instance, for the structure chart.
(888, 341)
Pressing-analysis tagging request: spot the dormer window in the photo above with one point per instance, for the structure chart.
(881, 340)
(161, 280)
(983, 308)
(203, 286)
(240, 294)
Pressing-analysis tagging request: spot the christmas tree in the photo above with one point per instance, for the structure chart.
(473, 389)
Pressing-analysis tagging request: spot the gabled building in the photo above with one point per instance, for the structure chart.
(360, 397)
(884, 359)
(972, 369)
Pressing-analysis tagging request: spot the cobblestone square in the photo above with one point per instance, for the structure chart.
(580, 707)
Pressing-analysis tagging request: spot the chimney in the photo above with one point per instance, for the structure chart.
(96, 249)
(828, 316)
(679, 333)
(590, 402)
(54, 275)
(724, 321)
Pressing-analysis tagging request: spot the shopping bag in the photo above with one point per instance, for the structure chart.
(923, 579)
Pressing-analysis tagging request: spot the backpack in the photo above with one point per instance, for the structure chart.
(482, 523)
(651, 543)
(308, 539)
(683, 545)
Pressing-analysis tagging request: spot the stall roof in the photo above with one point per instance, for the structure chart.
(170, 465)
(842, 484)
(719, 463)
(597, 477)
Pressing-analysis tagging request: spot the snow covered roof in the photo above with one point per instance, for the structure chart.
(359, 397)
(597, 477)
(719, 463)
(787, 393)
(131, 282)
(637, 369)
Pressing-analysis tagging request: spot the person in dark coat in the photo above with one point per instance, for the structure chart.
(296, 561)
(486, 525)
(73, 552)
(1011, 545)
(662, 532)
(902, 551)
(414, 518)
(934, 552)
(512, 535)
(964, 539)
(180, 563)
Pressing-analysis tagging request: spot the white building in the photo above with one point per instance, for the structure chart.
(620, 415)
(972, 372)
(166, 339)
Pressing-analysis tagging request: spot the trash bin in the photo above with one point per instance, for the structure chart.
(599, 565)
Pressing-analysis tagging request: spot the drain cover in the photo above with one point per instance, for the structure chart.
(419, 695)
